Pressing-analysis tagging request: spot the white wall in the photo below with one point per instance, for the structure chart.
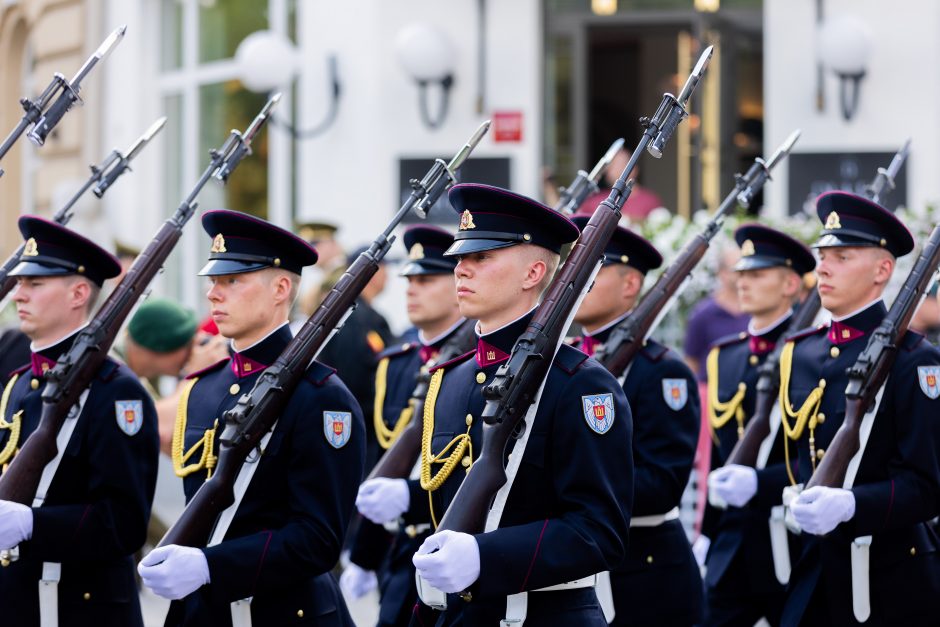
(898, 95)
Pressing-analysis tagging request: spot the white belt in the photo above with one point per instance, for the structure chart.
(655, 520)
(517, 605)
(412, 531)
(779, 544)
(49, 594)
(861, 602)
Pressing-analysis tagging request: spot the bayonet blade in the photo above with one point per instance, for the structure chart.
(145, 138)
(467, 148)
(783, 151)
(601, 165)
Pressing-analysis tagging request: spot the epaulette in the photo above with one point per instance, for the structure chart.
(454, 361)
(803, 333)
(318, 373)
(911, 340)
(728, 340)
(18, 371)
(109, 369)
(211, 368)
(654, 351)
(569, 358)
(398, 349)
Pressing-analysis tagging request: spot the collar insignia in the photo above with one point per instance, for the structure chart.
(466, 221)
(832, 222)
(31, 249)
(218, 244)
(416, 252)
(747, 248)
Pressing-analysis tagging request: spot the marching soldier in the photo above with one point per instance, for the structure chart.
(659, 567)
(741, 586)
(288, 528)
(895, 490)
(432, 308)
(567, 513)
(94, 513)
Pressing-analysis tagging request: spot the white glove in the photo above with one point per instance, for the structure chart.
(356, 582)
(173, 571)
(448, 560)
(819, 510)
(734, 484)
(700, 549)
(16, 524)
(381, 500)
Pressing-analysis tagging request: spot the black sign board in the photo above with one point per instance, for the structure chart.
(813, 174)
(488, 170)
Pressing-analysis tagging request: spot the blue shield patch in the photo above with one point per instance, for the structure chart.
(130, 415)
(598, 411)
(337, 427)
(675, 393)
(929, 378)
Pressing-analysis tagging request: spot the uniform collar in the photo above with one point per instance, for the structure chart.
(496, 346)
(43, 359)
(762, 341)
(590, 341)
(262, 353)
(430, 348)
(857, 324)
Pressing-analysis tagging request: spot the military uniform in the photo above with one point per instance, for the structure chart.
(288, 529)
(896, 486)
(568, 511)
(663, 396)
(740, 582)
(94, 516)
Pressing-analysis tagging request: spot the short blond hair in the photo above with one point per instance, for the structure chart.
(547, 257)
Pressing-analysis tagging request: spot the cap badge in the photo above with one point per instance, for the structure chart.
(832, 222)
(416, 252)
(747, 248)
(30, 249)
(466, 221)
(218, 244)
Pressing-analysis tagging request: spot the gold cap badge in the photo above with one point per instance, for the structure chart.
(218, 244)
(416, 252)
(832, 222)
(747, 248)
(466, 221)
(30, 249)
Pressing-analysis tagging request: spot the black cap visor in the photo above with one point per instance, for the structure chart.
(845, 240)
(222, 267)
(426, 266)
(468, 246)
(35, 268)
(758, 262)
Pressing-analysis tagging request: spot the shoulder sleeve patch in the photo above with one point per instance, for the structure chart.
(598, 411)
(130, 415)
(337, 427)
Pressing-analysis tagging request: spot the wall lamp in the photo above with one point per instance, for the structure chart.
(428, 57)
(844, 44)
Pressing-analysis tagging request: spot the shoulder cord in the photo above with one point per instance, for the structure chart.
(206, 460)
(14, 425)
(733, 408)
(460, 445)
(807, 415)
(383, 434)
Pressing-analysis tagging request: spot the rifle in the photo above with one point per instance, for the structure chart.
(627, 338)
(583, 184)
(517, 382)
(256, 411)
(399, 459)
(113, 166)
(76, 369)
(36, 112)
(745, 452)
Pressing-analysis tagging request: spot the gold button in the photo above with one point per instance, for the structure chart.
(481, 377)
(649, 559)
(834, 352)
(277, 262)
(820, 453)
(300, 613)
(466, 596)
(34, 384)
(234, 389)
(913, 551)
(820, 418)
(411, 531)
(81, 269)
(469, 419)
(465, 461)
(87, 596)
(752, 360)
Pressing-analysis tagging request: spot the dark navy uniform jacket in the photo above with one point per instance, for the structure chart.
(568, 512)
(659, 567)
(896, 487)
(371, 548)
(288, 530)
(740, 562)
(95, 513)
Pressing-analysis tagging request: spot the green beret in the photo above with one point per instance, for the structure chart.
(162, 325)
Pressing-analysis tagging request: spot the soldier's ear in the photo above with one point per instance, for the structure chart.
(79, 292)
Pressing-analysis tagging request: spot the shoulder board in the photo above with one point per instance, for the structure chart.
(215, 366)
(654, 351)
(911, 340)
(569, 359)
(802, 333)
(397, 349)
(728, 340)
(108, 370)
(318, 373)
(454, 361)
(18, 371)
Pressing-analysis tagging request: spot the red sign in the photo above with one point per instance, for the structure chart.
(507, 126)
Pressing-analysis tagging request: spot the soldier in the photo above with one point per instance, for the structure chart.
(95, 511)
(663, 396)
(567, 514)
(288, 528)
(895, 490)
(740, 582)
(432, 308)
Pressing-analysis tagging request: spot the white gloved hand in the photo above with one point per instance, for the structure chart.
(356, 582)
(700, 549)
(16, 524)
(173, 571)
(381, 499)
(819, 510)
(734, 484)
(448, 560)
